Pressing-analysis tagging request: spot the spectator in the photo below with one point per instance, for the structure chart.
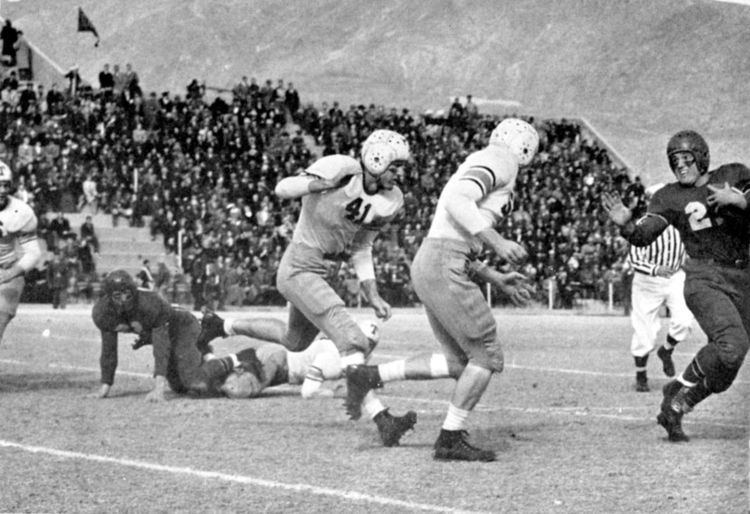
(58, 276)
(24, 57)
(145, 276)
(88, 233)
(9, 36)
(90, 197)
(106, 82)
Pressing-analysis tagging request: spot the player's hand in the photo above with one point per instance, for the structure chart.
(615, 209)
(515, 286)
(381, 307)
(511, 251)
(102, 392)
(725, 195)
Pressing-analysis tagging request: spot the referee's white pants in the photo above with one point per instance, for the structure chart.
(648, 295)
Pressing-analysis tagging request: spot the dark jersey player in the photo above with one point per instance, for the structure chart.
(172, 332)
(710, 210)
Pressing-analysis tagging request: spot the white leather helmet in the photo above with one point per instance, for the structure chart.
(391, 138)
(519, 136)
(377, 157)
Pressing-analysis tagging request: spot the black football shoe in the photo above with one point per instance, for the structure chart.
(454, 445)
(360, 379)
(666, 361)
(391, 428)
(672, 410)
(212, 326)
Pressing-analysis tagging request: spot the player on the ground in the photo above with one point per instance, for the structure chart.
(173, 333)
(319, 362)
(473, 200)
(19, 247)
(345, 203)
(710, 210)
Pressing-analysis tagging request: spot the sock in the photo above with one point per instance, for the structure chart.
(697, 394)
(670, 344)
(372, 405)
(640, 367)
(455, 419)
(229, 327)
(391, 371)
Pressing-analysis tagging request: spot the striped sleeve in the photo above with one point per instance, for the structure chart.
(666, 251)
(482, 176)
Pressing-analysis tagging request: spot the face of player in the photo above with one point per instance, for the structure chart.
(4, 193)
(123, 299)
(385, 181)
(684, 168)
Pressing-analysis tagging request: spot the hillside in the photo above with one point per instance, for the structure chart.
(638, 70)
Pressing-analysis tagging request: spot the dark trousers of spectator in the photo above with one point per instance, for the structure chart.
(59, 297)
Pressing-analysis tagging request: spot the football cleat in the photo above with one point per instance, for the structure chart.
(453, 445)
(666, 361)
(212, 326)
(391, 428)
(672, 411)
(360, 379)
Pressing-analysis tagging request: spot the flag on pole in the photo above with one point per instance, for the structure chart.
(85, 25)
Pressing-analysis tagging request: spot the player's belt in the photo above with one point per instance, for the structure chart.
(736, 263)
(339, 256)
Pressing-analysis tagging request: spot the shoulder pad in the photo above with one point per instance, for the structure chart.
(334, 167)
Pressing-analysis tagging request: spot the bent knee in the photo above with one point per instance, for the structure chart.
(490, 357)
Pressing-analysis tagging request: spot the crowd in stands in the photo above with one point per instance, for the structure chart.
(200, 173)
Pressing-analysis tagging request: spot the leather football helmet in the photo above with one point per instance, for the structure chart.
(693, 143)
(519, 136)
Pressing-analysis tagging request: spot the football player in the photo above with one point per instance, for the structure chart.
(345, 202)
(709, 209)
(173, 333)
(477, 195)
(309, 368)
(19, 247)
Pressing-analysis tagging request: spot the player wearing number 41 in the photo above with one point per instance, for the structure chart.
(345, 203)
(475, 198)
(710, 210)
(19, 247)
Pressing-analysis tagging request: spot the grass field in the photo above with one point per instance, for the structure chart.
(571, 433)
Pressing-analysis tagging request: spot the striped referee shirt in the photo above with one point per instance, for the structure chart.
(667, 251)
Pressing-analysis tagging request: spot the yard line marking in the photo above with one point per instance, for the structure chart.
(580, 412)
(239, 479)
(548, 369)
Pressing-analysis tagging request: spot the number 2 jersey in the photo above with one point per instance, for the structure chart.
(330, 220)
(707, 232)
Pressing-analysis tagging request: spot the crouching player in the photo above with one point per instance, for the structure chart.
(173, 333)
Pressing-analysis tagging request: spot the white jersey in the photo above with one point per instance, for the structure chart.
(494, 171)
(299, 362)
(331, 219)
(17, 226)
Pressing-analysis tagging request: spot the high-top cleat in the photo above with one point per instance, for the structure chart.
(666, 361)
(672, 410)
(391, 428)
(212, 326)
(360, 379)
(453, 445)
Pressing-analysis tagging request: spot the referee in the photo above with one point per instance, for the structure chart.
(658, 280)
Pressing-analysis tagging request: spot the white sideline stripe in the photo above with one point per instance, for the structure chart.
(239, 479)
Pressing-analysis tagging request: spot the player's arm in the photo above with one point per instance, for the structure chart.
(461, 203)
(30, 256)
(733, 196)
(363, 266)
(514, 285)
(162, 350)
(107, 362)
(642, 232)
(301, 185)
